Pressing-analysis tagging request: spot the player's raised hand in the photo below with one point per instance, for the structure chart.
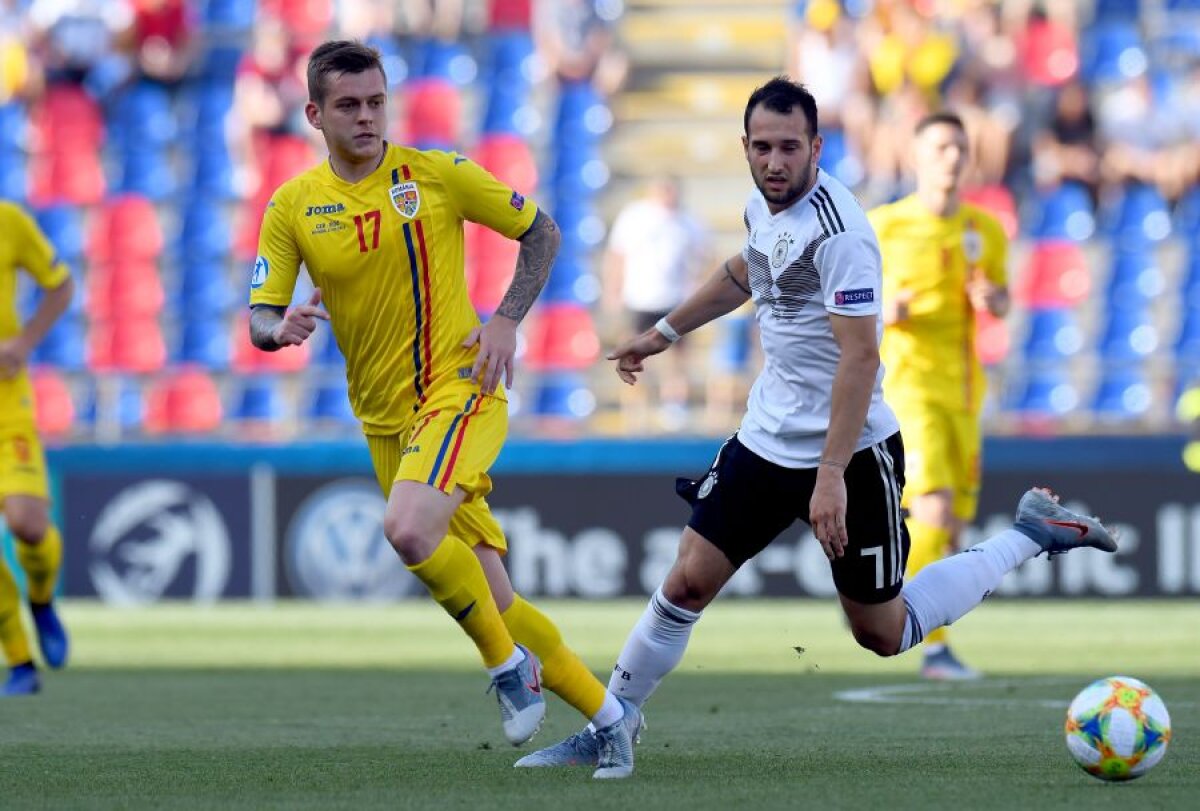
(300, 321)
(497, 341)
(982, 292)
(629, 355)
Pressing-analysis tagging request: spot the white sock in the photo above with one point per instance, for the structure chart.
(944, 591)
(610, 712)
(508, 664)
(653, 649)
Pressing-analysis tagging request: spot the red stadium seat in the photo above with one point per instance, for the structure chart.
(127, 345)
(67, 120)
(249, 359)
(125, 289)
(562, 337)
(55, 408)
(73, 177)
(125, 228)
(991, 338)
(434, 111)
(1055, 275)
(491, 258)
(997, 201)
(186, 402)
(305, 18)
(509, 159)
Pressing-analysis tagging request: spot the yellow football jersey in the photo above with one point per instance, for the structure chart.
(387, 253)
(24, 247)
(931, 356)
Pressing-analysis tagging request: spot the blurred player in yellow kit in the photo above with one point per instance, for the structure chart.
(24, 489)
(943, 260)
(379, 228)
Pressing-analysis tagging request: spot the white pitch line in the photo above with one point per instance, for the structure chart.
(941, 694)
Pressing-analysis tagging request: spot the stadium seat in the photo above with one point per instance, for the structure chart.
(433, 113)
(1138, 218)
(563, 396)
(146, 172)
(73, 177)
(1187, 340)
(14, 176)
(1120, 10)
(67, 120)
(562, 337)
(439, 59)
(126, 345)
(63, 226)
(1129, 334)
(129, 289)
(249, 359)
(304, 19)
(213, 173)
(126, 228)
(733, 344)
(203, 341)
(1134, 279)
(1044, 391)
(14, 127)
(1063, 213)
(205, 230)
(327, 355)
(1190, 284)
(1053, 336)
(571, 281)
(509, 158)
(839, 159)
(1112, 51)
(509, 84)
(184, 402)
(141, 117)
(991, 338)
(582, 117)
(330, 404)
(998, 201)
(114, 405)
(491, 260)
(204, 289)
(235, 15)
(63, 346)
(1055, 275)
(55, 406)
(1122, 393)
(260, 402)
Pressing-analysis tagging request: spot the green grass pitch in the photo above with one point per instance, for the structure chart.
(360, 707)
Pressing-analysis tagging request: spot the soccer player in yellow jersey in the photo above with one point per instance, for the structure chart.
(943, 261)
(24, 490)
(380, 229)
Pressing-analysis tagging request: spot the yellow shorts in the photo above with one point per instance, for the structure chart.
(452, 442)
(941, 452)
(22, 463)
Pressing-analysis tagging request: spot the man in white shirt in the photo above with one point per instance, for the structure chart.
(654, 251)
(817, 443)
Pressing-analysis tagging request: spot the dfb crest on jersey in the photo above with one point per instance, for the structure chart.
(405, 198)
(780, 251)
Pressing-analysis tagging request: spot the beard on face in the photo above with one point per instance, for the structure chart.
(789, 194)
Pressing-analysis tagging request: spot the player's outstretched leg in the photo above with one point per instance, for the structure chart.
(945, 591)
(1055, 528)
(616, 744)
(519, 692)
(41, 562)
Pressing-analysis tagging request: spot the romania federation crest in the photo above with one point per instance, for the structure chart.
(405, 198)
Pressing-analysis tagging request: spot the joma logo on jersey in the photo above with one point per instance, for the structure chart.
(330, 208)
(863, 295)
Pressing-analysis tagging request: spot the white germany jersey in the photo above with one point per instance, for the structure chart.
(818, 256)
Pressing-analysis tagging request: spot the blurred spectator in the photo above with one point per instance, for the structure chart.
(20, 74)
(77, 41)
(989, 135)
(1141, 138)
(1065, 148)
(576, 39)
(655, 253)
(163, 40)
(436, 19)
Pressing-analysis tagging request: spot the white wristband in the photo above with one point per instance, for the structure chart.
(666, 330)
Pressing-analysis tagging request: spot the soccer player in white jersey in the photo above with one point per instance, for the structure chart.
(817, 443)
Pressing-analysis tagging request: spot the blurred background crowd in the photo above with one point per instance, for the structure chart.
(147, 135)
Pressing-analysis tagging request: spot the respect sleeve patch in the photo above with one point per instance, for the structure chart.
(863, 295)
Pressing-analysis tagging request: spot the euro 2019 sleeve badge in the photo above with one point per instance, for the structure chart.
(405, 198)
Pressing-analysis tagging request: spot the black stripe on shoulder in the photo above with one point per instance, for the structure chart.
(828, 198)
(820, 215)
(746, 218)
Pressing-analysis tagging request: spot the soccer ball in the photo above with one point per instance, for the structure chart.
(1118, 728)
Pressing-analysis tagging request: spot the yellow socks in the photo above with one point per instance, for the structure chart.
(12, 632)
(41, 562)
(456, 580)
(929, 545)
(562, 670)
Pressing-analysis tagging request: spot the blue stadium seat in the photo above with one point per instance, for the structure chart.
(582, 118)
(1138, 217)
(732, 349)
(327, 354)
(838, 159)
(563, 395)
(141, 116)
(1129, 334)
(114, 401)
(147, 172)
(571, 281)
(1186, 217)
(1122, 393)
(439, 59)
(233, 15)
(63, 345)
(1111, 51)
(209, 103)
(1053, 336)
(1134, 279)
(204, 288)
(14, 178)
(1043, 391)
(1064, 212)
(14, 127)
(220, 63)
(1190, 287)
(212, 173)
(63, 226)
(331, 402)
(204, 341)
(395, 66)
(509, 85)
(1118, 10)
(260, 400)
(1187, 342)
(205, 231)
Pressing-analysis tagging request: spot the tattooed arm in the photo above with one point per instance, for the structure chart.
(497, 338)
(273, 328)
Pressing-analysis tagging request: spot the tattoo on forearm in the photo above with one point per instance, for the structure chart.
(538, 249)
(263, 320)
